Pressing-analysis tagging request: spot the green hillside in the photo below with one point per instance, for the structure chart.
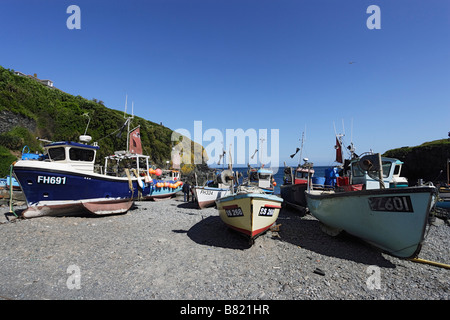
(29, 109)
(424, 161)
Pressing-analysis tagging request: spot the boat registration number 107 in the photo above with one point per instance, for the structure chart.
(396, 204)
(51, 180)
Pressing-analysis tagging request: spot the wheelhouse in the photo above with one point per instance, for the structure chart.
(260, 177)
(116, 165)
(391, 174)
(78, 155)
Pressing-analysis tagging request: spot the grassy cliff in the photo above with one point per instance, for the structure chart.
(424, 161)
(29, 109)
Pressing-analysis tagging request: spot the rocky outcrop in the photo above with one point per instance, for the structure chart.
(427, 161)
(9, 120)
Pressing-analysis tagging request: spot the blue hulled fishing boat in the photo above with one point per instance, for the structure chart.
(65, 182)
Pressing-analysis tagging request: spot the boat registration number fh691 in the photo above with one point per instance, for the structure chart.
(51, 180)
(396, 204)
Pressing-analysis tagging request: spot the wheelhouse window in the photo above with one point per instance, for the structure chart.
(386, 168)
(264, 176)
(301, 174)
(357, 171)
(77, 154)
(57, 154)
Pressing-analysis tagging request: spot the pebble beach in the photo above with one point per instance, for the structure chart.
(171, 250)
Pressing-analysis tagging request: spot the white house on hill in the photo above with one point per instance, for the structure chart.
(48, 83)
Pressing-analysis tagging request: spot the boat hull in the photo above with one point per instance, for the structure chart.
(14, 182)
(51, 190)
(393, 220)
(207, 196)
(91, 206)
(151, 192)
(294, 194)
(445, 204)
(250, 214)
(444, 198)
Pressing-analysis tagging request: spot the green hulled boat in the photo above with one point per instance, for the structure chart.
(388, 214)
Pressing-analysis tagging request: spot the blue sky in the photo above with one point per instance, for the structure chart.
(250, 64)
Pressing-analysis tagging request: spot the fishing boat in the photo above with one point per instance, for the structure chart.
(152, 184)
(11, 181)
(65, 182)
(295, 182)
(375, 204)
(165, 185)
(260, 178)
(249, 211)
(444, 192)
(214, 189)
(444, 198)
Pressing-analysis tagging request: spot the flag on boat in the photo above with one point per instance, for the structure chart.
(135, 141)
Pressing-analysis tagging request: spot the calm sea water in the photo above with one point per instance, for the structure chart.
(319, 171)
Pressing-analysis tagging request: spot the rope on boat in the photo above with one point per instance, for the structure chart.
(433, 263)
(130, 182)
(11, 209)
(248, 189)
(443, 215)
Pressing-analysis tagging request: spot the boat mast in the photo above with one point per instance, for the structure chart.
(380, 172)
(128, 121)
(351, 148)
(301, 148)
(230, 167)
(261, 153)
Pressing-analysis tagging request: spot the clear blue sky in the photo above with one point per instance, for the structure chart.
(250, 64)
